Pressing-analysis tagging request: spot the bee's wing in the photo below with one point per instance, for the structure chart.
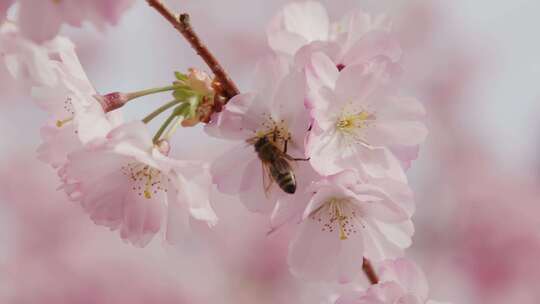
(267, 178)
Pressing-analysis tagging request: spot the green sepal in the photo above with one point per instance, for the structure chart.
(183, 93)
(194, 102)
(180, 76)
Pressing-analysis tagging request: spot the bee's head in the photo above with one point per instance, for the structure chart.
(262, 141)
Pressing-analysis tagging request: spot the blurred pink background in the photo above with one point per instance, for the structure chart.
(475, 66)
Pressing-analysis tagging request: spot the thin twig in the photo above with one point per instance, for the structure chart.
(183, 26)
(370, 272)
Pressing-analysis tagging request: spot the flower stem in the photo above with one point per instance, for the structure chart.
(177, 112)
(137, 94)
(160, 110)
(183, 26)
(370, 272)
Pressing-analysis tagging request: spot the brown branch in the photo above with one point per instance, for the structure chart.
(370, 272)
(183, 26)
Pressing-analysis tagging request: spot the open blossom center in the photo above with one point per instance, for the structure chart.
(275, 131)
(338, 215)
(352, 122)
(69, 113)
(145, 180)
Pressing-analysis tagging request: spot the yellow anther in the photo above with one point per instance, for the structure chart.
(147, 194)
(61, 123)
(148, 185)
(341, 220)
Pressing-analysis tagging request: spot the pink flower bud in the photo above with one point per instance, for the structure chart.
(112, 101)
(164, 147)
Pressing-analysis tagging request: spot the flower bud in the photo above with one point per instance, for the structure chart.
(112, 101)
(164, 147)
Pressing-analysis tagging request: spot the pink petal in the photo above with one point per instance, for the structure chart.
(194, 189)
(355, 85)
(40, 21)
(377, 246)
(296, 25)
(373, 44)
(141, 219)
(227, 169)
(396, 133)
(178, 225)
(239, 119)
(57, 144)
(309, 19)
(253, 195)
(407, 274)
(313, 253)
(289, 107)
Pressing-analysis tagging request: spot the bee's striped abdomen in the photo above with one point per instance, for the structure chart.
(283, 175)
(275, 160)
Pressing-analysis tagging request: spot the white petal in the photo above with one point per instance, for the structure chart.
(253, 195)
(308, 19)
(407, 274)
(227, 169)
(313, 254)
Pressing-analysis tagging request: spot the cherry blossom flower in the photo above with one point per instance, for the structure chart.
(298, 24)
(348, 217)
(302, 28)
(132, 184)
(358, 116)
(32, 63)
(401, 281)
(41, 21)
(76, 115)
(275, 110)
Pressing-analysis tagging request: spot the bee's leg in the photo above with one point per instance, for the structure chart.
(290, 157)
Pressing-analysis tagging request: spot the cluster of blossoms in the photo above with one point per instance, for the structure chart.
(327, 99)
(324, 139)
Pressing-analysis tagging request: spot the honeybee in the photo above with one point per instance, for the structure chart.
(275, 162)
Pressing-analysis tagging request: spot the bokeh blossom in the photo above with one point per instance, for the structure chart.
(401, 282)
(41, 21)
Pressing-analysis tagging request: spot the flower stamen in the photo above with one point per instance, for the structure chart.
(61, 123)
(337, 214)
(355, 121)
(146, 180)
